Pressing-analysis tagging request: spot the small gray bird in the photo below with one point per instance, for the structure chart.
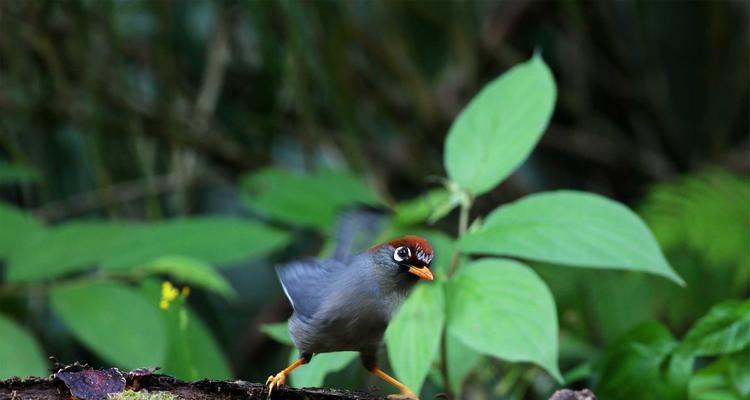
(346, 305)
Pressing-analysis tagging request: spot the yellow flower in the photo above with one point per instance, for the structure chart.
(168, 294)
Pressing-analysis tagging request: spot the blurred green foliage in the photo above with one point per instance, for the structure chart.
(311, 200)
(120, 323)
(202, 142)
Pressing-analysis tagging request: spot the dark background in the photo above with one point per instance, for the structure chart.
(144, 110)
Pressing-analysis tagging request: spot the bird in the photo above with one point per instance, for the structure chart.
(346, 305)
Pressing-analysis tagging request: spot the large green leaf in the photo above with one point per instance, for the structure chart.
(642, 359)
(313, 374)
(413, 336)
(495, 133)
(725, 329)
(216, 240)
(311, 200)
(571, 228)
(502, 308)
(77, 246)
(116, 322)
(19, 352)
(17, 226)
(191, 271)
(68, 248)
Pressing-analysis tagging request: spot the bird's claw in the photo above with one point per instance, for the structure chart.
(275, 382)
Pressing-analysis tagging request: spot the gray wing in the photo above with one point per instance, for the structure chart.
(356, 230)
(305, 283)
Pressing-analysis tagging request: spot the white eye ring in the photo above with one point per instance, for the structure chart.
(399, 257)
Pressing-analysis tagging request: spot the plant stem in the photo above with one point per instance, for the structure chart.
(463, 219)
(463, 225)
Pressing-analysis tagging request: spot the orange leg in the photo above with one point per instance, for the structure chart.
(405, 391)
(275, 381)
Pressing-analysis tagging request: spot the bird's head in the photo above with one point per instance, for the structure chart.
(409, 254)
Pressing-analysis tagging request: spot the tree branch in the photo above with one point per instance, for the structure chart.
(54, 389)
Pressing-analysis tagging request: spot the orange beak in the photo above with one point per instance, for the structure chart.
(421, 272)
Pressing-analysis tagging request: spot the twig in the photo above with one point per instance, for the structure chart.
(463, 225)
(213, 78)
(120, 193)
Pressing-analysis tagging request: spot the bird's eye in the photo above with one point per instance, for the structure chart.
(402, 253)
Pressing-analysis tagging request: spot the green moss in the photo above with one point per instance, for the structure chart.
(142, 395)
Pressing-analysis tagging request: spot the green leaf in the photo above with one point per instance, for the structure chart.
(676, 378)
(215, 240)
(413, 336)
(502, 308)
(77, 246)
(19, 351)
(307, 200)
(116, 322)
(712, 386)
(67, 248)
(707, 212)
(10, 173)
(727, 376)
(498, 129)
(420, 209)
(739, 372)
(278, 332)
(313, 374)
(725, 329)
(578, 373)
(635, 361)
(191, 271)
(571, 228)
(193, 352)
(17, 226)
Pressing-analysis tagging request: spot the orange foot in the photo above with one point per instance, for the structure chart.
(275, 382)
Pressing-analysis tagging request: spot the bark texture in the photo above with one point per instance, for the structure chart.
(53, 388)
